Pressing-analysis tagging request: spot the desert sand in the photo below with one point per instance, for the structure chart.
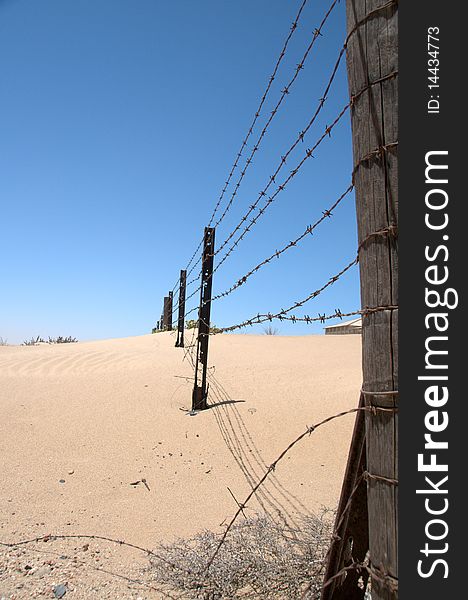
(81, 423)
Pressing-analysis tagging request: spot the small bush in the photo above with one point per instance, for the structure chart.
(270, 330)
(33, 341)
(3, 342)
(62, 340)
(193, 324)
(57, 340)
(259, 559)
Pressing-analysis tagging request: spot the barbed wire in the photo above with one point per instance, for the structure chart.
(50, 536)
(260, 318)
(321, 104)
(274, 464)
(308, 231)
(284, 158)
(373, 410)
(254, 121)
(285, 92)
(374, 154)
(293, 173)
(392, 229)
(308, 153)
(337, 314)
(383, 577)
(271, 198)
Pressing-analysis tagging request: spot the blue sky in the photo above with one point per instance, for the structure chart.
(119, 123)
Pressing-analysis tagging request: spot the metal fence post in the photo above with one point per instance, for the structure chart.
(169, 312)
(200, 392)
(181, 322)
(164, 318)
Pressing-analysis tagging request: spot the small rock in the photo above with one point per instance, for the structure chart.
(61, 480)
(71, 471)
(60, 590)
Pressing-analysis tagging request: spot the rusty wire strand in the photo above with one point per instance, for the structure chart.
(262, 210)
(281, 187)
(364, 476)
(308, 154)
(385, 578)
(47, 537)
(320, 106)
(301, 135)
(322, 101)
(254, 120)
(284, 93)
(308, 231)
(284, 158)
(337, 314)
(309, 430)
(392, 229)
(281, 315)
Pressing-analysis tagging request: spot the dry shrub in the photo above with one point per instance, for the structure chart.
(52, 340)
(259, 559)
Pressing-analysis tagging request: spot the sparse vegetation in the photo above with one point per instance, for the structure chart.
(193, 324)
(57, 340)
(62, 340)
(3, 342)
(33, 341)
(259, 559)
(270, 330)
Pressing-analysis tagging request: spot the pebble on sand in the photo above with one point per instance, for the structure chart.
(60, 590)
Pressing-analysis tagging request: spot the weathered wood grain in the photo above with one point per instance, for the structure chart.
(372, 56)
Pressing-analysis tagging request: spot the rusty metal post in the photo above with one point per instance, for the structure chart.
(164, 318)
(169, 312)
(181, 322)
(200, 392)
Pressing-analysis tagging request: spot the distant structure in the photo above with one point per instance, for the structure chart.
(354, 326)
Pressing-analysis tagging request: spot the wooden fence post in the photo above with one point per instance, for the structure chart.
(372, 64)
(200, 392)
(181, 321)
(351, 537)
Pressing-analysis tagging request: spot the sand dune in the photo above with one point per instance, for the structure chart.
(82, 422)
